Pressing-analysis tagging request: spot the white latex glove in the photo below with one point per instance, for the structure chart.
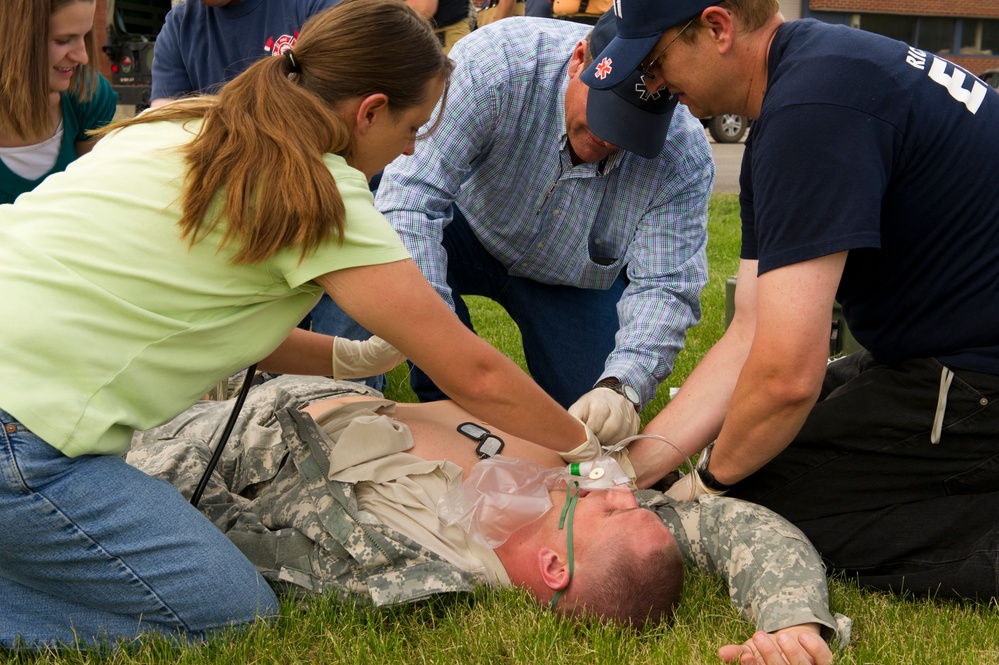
(609, 414)
(689, 487)
(589, 449)
(354, 359)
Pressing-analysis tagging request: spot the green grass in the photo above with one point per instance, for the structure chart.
(505, 627)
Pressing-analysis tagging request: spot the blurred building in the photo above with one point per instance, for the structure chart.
(966, 32)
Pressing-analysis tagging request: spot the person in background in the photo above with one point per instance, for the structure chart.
(887, 458)
(204, 43)
(52, 92)
(538, 8)
(450, 19)
(187, 245)
(490, 11)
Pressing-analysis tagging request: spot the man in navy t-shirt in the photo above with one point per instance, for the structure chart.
(204, 43)
(869, 177)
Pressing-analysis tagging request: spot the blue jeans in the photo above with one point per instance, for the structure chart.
(567, 331)
(93, 549)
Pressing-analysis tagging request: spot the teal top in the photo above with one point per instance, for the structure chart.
(77, 118)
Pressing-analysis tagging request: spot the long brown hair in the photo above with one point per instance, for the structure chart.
(24, 67)
(263, 137)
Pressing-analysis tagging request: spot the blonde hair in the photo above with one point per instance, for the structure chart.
(262, 140)
(24, 69)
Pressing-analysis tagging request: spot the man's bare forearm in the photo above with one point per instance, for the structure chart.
(693, 418)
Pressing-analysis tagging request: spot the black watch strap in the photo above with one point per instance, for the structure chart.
(707, 478)
(711, 483)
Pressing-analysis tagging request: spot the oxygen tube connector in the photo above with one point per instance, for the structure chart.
(602, 472)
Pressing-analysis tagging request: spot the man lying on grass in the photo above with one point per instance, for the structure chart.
(325, 486)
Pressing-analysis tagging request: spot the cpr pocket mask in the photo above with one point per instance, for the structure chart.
(503, 494)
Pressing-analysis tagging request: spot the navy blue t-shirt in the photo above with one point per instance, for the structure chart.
(869, 145)
(200, 47)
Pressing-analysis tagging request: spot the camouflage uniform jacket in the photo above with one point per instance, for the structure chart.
(271, 496)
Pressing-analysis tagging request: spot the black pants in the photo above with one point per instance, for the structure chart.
(881, 502)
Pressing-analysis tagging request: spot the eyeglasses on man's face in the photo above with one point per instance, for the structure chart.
(646, 67)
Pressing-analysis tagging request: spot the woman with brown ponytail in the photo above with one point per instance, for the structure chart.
(184, 247)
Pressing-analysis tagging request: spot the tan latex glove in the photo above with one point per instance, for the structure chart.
(353, 359)
(621, 457)
(589, 449)
(608, 414)
(689, 487)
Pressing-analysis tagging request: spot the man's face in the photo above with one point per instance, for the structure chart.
(584, 144)
(605, 516)
(688, 66)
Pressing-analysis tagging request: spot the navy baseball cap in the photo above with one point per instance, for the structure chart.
(627, 115)
(640, 24)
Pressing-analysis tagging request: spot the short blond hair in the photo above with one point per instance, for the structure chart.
(752, 14)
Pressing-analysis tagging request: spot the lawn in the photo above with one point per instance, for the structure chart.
(505, 627)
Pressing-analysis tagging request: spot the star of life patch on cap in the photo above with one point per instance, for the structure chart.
(627, 115)
(638, 26)
(603, 68)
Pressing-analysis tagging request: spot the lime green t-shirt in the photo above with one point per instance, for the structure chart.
(113, 323)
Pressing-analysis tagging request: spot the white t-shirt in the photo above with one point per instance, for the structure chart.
(31, 162)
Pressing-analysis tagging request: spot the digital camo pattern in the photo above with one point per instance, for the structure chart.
(271, 496)
(775, 577)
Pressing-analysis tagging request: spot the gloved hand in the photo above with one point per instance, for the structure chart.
(621, 457)
(586, 451)
(609, 414)
(689, 487)
(354, 359)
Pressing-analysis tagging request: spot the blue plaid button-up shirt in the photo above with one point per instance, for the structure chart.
(501, 153)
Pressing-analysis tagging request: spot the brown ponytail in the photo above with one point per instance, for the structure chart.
(263, 138)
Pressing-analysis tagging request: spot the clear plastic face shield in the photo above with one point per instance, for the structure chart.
(503, 494)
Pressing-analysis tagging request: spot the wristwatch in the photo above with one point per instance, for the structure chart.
(622, 389)
(702, 470)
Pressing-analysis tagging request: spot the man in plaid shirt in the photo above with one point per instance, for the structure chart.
(582, 212)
